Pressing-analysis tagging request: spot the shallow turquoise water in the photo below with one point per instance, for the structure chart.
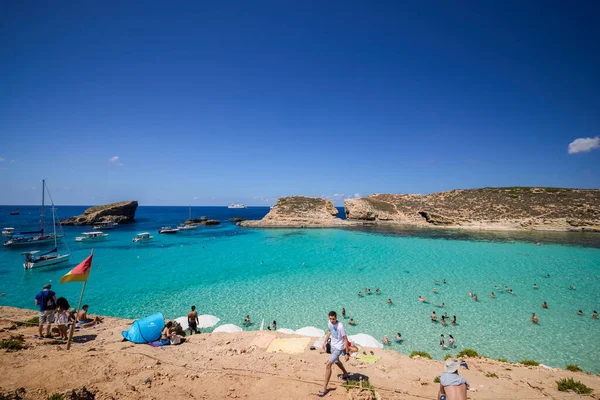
(297, 276)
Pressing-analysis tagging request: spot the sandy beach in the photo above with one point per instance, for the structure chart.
(237, 365)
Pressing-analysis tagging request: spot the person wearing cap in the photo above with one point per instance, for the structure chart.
(46, 300)
(452, 385)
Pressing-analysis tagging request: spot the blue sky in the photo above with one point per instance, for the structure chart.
(208, 103)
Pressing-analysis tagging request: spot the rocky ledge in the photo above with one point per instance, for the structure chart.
(300, 212)
(510, 208)
(122, 212)
(201, 221)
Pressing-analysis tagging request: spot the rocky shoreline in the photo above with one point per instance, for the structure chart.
(122, 212)
(501, 209)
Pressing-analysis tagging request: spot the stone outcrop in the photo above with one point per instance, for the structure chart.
(122, 213)
(519, 208)
(201, 221)
(299, 212)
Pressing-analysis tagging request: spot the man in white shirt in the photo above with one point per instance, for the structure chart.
(339, 343)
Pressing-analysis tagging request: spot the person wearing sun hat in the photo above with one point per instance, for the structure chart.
(452, 385)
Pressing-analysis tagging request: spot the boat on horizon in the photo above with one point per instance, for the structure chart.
(22, 239)
(142, 237)
(15, 212)
(105, 225)
(237, 205)
(187, 227)
(52, 257)
(8, 231)
(168, 229)
(91, 237)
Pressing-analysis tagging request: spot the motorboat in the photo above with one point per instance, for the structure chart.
(168, 229)
(91, 237)
(142, 237)
(186, 227)
(8, 231)
(237, 206)
(15, 213)
(105, 225)
(52, 257)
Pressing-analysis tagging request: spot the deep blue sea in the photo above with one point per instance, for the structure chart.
(297, 276)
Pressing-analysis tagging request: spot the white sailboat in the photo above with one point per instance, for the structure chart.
(41, 238)
(187, 227)
(52, 257)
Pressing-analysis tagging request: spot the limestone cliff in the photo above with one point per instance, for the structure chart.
(299, 212)
(122, 212)
(527, 208)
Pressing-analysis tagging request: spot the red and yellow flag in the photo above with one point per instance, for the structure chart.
(80, 273)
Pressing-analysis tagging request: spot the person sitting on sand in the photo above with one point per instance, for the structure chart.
(534, 318)
(595, 314)
(398, 337)
(377, 291)
(433, 317)
(165, 335)
(492, 295)
(453, 320)
(451, 341)
(390, 301)
(579, 312)
(544, 305)
(351, 322)
(442, 342)
(386, 340)
(452, 386)
(83, 320)
(423, 299)
(535, 286)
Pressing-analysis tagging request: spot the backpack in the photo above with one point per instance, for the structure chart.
(49, 302)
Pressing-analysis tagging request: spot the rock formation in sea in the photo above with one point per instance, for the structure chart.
(122, 212)
(301, 212)
(201, 221)
(519, 208)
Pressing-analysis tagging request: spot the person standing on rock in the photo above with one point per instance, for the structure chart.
(339, 344)
(46, 300)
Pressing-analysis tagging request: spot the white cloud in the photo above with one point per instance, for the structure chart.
(583, 145)
(115, 161)
(357, 195)
(196, 197)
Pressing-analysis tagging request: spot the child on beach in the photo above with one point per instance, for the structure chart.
(62, 318)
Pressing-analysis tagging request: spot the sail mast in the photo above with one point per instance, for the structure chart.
(190, 212)
(43, 193)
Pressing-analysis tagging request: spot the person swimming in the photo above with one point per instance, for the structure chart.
(443, 319)
(492, 294)
(475, 297)
(352, 322)
(595, 314)
(571, 287)
(433, 317)
(377, 291)
(435, 290)
(453, 319)
(511, 291)
(390, 301)
(442, 342)
(535, 286)
(343, 312)
(446, 314)
(368, 291)
(450, 341)
(443, 280)
(506, 289)
(435, 282)
(398, 338)
(470, 294)
(544, 305)
(534, 318)
(386, 340)
(360, 293)
(579, 312)
(421, 298)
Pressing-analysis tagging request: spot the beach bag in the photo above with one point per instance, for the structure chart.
(328, 346)
(49, 302)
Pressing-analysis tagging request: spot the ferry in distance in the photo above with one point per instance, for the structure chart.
(237, 206)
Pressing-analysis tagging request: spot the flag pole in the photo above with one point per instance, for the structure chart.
(77, 313)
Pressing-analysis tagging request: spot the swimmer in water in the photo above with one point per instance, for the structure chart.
(442, 342)
(571, 287)
(492, 294)
(343, 312)
(451, 341)
(386, 340)
(470, 294)
(579, 312)
(535, 286)
(443, 280)
(360, 293)
(352, 321)
(446, 314)
(475, 297)
(421, 298)
(534, 318)
(453, 319)
(506, 289)
(435, 282)
(544, 305)
(434, 290)
(398, 338)
(368, 291)
(389, 301)
(433, 317)
(510, 291)
(377, 291)
(443, 319)
(595, 314)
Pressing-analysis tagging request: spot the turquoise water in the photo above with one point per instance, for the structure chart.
(297, 276)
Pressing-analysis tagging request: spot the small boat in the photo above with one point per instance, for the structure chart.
(237, 206)
(168, 229)
(51, 257)
(186, 227)
(91, 237)
(105, 225)
(142, 237)
(8, 231)
(15, 213)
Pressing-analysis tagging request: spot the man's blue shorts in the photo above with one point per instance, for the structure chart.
(335, 356)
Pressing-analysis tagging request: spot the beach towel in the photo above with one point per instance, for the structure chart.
(263, 340)
(368, 359)
(289, 346)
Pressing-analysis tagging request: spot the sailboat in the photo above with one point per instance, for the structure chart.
(52, 257)
(187, 227)
(21, 240)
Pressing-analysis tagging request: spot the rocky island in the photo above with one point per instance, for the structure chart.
(201, 221)
(122, 212)
(300, 212)
(508, 208)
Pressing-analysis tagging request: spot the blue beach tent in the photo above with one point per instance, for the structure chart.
(145, 330)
